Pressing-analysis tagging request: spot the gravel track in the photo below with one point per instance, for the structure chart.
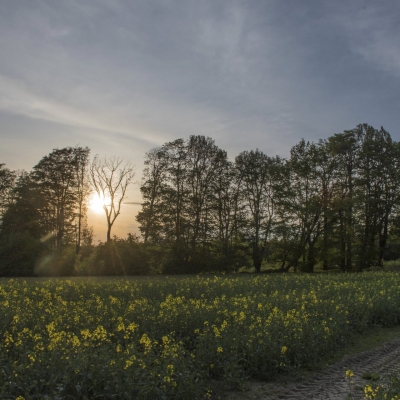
(330, 383)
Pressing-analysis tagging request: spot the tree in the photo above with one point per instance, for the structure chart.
(61, 179)
(203, 161)
(377, 190)
(54, 177)
(226, 211)
(304, 201)
(391, 196)
(7, 183)
(110, 179)
(345, 146)
(153, 186)
(258, 174)
(83, 190)
(326, 165)
(175, 195)
(287, 242)
(181, 198)
(22, 230)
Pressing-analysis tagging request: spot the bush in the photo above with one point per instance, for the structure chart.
(57, 263)
(120, 257)
(19, 252)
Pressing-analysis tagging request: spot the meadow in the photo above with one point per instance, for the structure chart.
(178, 337)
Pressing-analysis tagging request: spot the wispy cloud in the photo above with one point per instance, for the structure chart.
(373, 31)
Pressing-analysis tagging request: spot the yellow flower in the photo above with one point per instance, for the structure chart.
(170, 369)
(220, 349)
(349, 374)
(128, 363)
(165, 339)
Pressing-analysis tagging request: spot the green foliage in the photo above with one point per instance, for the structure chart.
(392, 265)
(371, 376)
(387, 388)
(19, 252)
(21, 230)
(57, 263)
(120, 257)
(7, 182)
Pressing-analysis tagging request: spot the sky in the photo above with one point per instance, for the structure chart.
(125, 76)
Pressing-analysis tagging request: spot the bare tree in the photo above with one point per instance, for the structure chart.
(110, 179)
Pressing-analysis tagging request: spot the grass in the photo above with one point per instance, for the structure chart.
(373, 337)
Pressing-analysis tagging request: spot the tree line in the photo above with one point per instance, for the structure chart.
(333, 204)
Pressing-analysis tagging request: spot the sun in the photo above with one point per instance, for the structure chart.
(96, 203)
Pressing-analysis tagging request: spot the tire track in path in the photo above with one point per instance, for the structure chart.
(329, 383)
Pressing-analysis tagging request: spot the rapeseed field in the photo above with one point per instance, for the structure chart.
(175, 337)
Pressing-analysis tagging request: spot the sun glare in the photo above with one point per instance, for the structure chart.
(96, 203)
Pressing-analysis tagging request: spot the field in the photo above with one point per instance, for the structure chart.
(178, 337)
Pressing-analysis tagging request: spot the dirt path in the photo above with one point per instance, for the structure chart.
(330, 383)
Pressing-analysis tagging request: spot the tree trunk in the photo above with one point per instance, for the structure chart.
(325, 242)
(342, 243)
(257, 259)
(349, 227)
(383, 240)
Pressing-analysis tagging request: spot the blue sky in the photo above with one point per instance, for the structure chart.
(122, 77)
